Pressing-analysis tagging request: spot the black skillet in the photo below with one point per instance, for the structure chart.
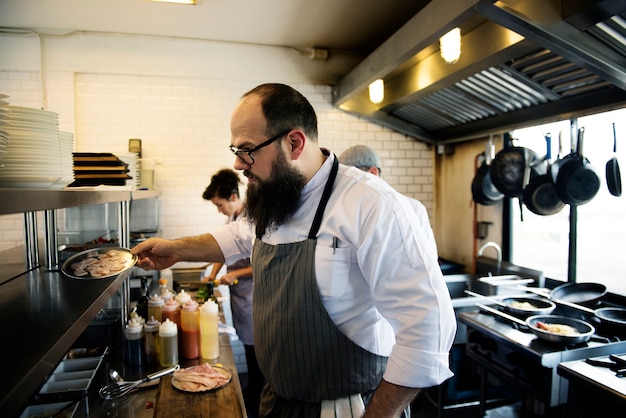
(587, 293)
(540, 195)
(483, 190)
(613, 175)
(608, 315)
(578, 292)
(575, 179)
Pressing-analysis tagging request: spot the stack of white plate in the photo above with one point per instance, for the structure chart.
(33, 155)
(4, 121)
(66, 143)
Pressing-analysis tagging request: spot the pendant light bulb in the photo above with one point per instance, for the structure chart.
(450, 46)
(377, 91)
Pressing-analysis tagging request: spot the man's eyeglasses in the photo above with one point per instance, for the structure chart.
(245, 155)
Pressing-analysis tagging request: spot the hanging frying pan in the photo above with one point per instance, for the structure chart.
(483, 190)
(613, 176)
(508, 169)
(576, 180)
(540, 195)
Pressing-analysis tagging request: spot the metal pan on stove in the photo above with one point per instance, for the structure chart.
(521, 306)
(99, 263)
(607, 315)
(578, 292)
(588, 293)
(584, 331)
(613, 316)
(527, 306)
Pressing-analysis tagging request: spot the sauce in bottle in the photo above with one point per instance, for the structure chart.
(168, 344)
(209, 332)
(142, 302)
(151, 343)
(171, 310)
(190, 325)
(134, 342)
(154, 306)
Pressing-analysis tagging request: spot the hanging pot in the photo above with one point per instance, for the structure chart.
(508, 167)
(540, 195)
(577, 182)
(483, 190)
(613, 176)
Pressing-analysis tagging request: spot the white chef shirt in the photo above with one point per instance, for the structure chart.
(381, 284)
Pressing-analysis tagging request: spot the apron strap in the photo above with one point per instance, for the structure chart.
(328, 188)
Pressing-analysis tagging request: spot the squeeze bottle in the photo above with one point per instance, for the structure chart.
(190, 325)
(209, 333)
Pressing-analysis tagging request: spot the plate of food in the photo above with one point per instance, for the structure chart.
(99, 263)
(201, 378)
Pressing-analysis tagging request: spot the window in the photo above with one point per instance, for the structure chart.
(542, 242)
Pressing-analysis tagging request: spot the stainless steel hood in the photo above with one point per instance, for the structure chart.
(522, 62)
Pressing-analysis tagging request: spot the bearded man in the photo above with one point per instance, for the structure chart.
(351, 313)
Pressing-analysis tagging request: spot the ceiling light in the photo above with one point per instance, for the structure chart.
(377, 91)
(177, 1)
(450, 46)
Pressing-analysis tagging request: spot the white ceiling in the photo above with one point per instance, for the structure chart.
(348, 25)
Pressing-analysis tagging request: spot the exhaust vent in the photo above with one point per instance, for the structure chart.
(522, 63)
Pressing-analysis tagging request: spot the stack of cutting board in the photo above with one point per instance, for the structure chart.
(94, 169)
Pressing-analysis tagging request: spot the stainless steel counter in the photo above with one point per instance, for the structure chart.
(43, 313)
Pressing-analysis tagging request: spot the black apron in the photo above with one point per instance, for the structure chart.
(303, 355)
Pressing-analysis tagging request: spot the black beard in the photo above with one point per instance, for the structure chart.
(272, 202)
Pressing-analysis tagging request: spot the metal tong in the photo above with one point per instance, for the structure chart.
(616, 363)
(119, 389)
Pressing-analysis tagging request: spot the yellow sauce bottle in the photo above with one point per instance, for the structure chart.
(209, 333)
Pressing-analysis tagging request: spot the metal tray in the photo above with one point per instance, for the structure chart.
(99, 254)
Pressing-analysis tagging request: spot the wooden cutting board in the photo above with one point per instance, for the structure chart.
(219, 403)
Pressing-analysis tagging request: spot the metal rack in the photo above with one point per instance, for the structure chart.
(40, 307)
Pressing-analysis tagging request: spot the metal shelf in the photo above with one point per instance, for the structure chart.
(43, 311)
(31, 200)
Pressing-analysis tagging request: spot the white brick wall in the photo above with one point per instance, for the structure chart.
(184, 127)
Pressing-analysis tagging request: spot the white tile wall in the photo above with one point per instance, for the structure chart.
(108, 89)
(184, 127)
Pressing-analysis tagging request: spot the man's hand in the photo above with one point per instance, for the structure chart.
(155, 254)
(389, 400)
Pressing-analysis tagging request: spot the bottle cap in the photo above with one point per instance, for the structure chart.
(168, 328)
(190, 305)
(170, 305)
(183, 297)
(134, 325)
(209, 307)
(151, 325)
(155, 300)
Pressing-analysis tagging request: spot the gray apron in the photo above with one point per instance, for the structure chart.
(303, 355)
